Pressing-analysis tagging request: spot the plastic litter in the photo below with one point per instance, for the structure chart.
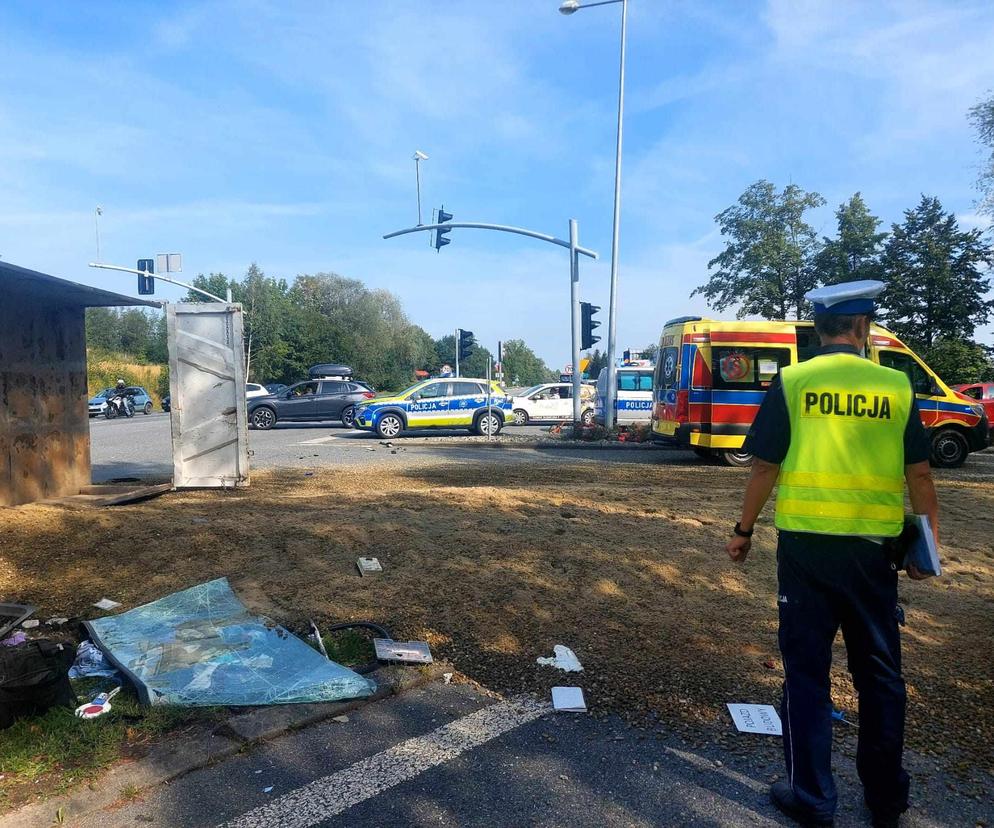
(415, 652)
(17, 638)
(369, 566)
(90, 661)
(30, 624)
(563, 659)
(341, 719)
(106, 604)
(447, 678)
(97, 707)
(57, 622)
(267, 790)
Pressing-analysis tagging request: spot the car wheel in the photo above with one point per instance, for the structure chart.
(488, 425)
(390, 425)
(520, 416)
(587, 417)
(949, 449)
(348, 417)
(737, 457)
(148, 407)
(263, 418)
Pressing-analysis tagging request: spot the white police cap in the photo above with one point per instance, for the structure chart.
(846, 298)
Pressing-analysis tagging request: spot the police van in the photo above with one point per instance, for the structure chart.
(711, 377)
(633, 395)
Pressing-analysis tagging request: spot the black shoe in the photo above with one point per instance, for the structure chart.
(885, 821)
(783, 797)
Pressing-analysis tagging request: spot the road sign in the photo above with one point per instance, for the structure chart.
(168, 262)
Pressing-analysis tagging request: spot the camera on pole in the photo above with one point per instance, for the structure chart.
(146, 282)
(441, 235)
(587, 325)
(465, 344)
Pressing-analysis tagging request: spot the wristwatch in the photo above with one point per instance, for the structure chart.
(742, 533)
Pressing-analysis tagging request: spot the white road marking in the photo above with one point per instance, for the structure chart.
(320, 441)
(335, 794)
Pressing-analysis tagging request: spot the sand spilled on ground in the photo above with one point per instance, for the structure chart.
(495, 563)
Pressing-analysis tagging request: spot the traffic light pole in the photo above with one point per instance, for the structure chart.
(574, 276)
(456, 337)
(574, 310)
(163, 279)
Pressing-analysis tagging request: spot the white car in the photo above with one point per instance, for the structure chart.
(552, 401)
(254, 390)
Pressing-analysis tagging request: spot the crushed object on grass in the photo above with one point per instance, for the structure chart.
(308, 474)
(770, 664)
(416, 652)
(569, 699)
(756, 718)
(340, 719)
(202, 647)
(30, 624)
(106, 604)
(563, 659)
(369, 566)
(57, 622)
(13, 614)
(90, 662)
(447, 678)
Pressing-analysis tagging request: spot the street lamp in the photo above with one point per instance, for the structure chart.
(570, 7)
(418, 158)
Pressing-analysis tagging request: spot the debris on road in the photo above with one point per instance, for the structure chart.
(414, 652)
(340, 719)
(756, 718)
(447, 678)
(30, 624)
(267, 790)
(106, 604)
(17, 638)
(369, 566)
(13, 614)
(569, 700)
(97, 707)
(57, 622)
(202, 647)
(90, 662)
(563, 659)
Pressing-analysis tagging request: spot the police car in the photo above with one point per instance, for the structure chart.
(633, 395)
(438, 403)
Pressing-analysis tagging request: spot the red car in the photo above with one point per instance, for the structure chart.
(983, 392)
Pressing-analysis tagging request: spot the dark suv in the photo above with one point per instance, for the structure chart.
(310, 401)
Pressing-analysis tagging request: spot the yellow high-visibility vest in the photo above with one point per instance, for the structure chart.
(844, 470)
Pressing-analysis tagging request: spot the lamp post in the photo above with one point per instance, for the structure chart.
(418, 158)
(571, 7)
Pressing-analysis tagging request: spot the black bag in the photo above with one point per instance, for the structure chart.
(34, 677)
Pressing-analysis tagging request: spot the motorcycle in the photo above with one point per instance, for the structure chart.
(120, 404)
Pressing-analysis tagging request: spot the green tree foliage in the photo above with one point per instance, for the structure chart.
(213, 283)
(135, 332)
(768, 263)
(982, 118)
(959, 361)
(936, 286)
(522, 366)
(474, 366)
(598, 360)
(857, 250)
(650, 351)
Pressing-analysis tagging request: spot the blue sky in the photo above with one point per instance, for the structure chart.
(282, 133)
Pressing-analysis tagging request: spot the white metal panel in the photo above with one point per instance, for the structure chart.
(207, 385)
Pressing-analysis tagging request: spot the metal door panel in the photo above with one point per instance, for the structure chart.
(207, 384)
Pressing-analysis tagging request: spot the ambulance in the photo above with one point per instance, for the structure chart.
(711, 376)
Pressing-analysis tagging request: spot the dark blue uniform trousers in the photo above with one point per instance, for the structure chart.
(826, 582)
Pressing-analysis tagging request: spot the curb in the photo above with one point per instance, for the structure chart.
(581, 445)
(214, 743)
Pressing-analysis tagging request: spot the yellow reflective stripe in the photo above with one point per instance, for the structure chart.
(834, 509)
(826, 480)
(841, 495)
(832, 526)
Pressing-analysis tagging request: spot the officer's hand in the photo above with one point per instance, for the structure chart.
(915, 574)
(738, 548)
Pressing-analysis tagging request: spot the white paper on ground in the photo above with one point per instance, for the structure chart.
(563, 659)
(569, 699)
(756, 718)
(106, 604)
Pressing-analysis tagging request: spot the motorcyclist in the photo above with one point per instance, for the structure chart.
(120, 398)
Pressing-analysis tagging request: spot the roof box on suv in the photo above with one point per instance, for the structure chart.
(329, 369)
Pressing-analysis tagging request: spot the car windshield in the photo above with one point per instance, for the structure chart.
(103, 395)
(529, 391)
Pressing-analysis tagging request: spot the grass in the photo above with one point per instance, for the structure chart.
(57, 751)
(349, 647)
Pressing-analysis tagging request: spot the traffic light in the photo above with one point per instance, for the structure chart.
(440, 234)
(588, 323)
(466, 343)
(146, 283)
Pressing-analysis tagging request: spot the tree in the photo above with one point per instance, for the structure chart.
(959, 361)
(215, 283)
(768, 262)
(522, 366)
(982, 118)
(935, 282)
(598, 361)
(102, 330)
(473, 366)
(856, 252)
(650, 351)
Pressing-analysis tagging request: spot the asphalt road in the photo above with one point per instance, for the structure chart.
(448, 755)
(141, 447)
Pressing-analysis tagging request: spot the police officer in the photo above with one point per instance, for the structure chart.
(840, 436)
